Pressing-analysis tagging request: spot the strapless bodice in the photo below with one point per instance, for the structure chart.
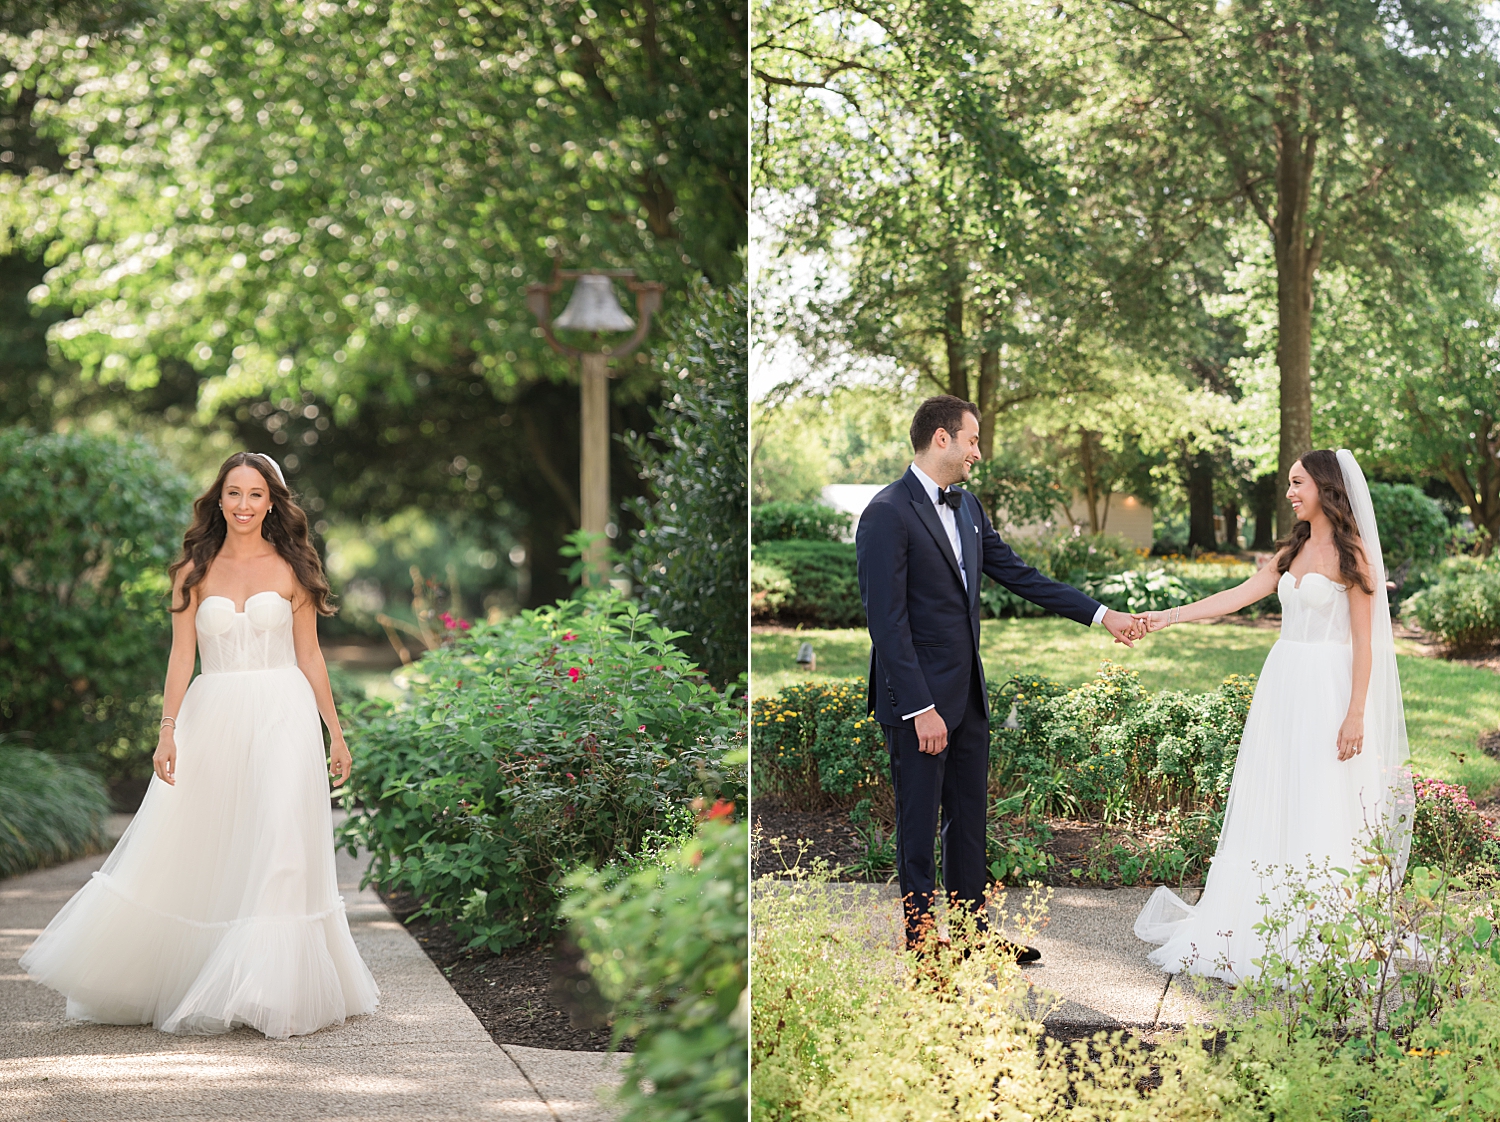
(1316, 611)
(259, 638)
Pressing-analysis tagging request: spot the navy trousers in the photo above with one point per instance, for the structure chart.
(952, 784)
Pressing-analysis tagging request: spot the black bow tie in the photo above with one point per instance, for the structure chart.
(954, 499)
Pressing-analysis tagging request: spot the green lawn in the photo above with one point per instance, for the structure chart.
(1447, 704)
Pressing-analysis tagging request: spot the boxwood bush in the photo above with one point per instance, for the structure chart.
(817, 582)
(88, 525)
(788, 521)
(50, 810)
(531, 747)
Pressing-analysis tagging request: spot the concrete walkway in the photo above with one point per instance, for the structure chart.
(422, 1055)
(1093, 973)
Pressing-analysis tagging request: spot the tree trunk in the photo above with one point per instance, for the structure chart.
(1297, 259)
(1264, 507)
(1200, 491)
(1090, 479)
(953, 338)
(989, 380)
(1231, 512)
(1482, 497)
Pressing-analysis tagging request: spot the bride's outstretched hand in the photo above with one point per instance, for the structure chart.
(1153, 621)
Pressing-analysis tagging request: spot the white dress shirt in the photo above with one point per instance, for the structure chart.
(949, 518)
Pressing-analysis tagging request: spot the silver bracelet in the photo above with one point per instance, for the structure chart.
(164, 720)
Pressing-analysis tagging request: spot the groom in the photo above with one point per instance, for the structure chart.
(921, 546)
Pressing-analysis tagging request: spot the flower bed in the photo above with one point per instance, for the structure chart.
(1448, 830)
(562, 738)
(1151, 769)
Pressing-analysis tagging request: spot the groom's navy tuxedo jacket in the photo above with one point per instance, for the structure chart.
(924, 625)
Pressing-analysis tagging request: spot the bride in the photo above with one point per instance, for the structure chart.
(219, 905)
(1322, 762)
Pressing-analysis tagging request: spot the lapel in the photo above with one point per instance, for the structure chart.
(927, 513)
(968, 534)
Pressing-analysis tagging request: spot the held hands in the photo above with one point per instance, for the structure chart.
(164, 761)
(1126, 629)
(340, 762)
(1351, 740)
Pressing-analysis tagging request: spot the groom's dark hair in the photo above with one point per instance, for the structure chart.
(944, 412)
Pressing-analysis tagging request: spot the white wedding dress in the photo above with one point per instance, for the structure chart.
(219, 905)
(1294, 808)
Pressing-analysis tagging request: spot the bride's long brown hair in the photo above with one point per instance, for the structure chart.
(1323, 465)
(284, 526)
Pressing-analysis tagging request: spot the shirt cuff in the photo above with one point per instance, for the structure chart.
(1099, 615)
(918, 713)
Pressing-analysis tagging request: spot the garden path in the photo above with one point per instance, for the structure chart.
(1091, 960)
(422, 1055)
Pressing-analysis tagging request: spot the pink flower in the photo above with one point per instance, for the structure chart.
(568, 637)
(641, 729)
(569, 774)
(574, 673)
(464, 625)
(447, 621)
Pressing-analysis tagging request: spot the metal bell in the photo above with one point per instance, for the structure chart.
(593, 307)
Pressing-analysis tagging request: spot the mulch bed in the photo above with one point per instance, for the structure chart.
(521, 996)
(827, 834)
(808, 835)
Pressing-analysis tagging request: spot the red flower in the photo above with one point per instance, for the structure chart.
(720, 809)
(568, 637)
(574, 673)
(658, 668)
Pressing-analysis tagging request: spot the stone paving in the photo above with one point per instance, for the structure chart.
(1093, 973)
(422, 1055)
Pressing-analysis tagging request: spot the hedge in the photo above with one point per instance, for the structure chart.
(810, 582)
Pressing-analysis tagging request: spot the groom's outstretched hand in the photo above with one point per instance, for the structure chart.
(1126, 629)
(932, 733)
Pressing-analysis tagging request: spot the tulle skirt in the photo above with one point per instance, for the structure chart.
(1292, 805)
(219, 905)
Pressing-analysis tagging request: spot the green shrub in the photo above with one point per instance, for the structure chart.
(1108, 751)
(824, 579)
(88, 525)
(556, 739)
(689, 556)
(1104, 751)
(786, 521)
(1463, 607)
(770, 590)
(1412, 526)
(50, 811)
(814, 744)
(667, 946)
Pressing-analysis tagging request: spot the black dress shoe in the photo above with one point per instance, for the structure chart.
(1020, 952)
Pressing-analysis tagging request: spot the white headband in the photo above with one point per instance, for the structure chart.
(274, 465)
